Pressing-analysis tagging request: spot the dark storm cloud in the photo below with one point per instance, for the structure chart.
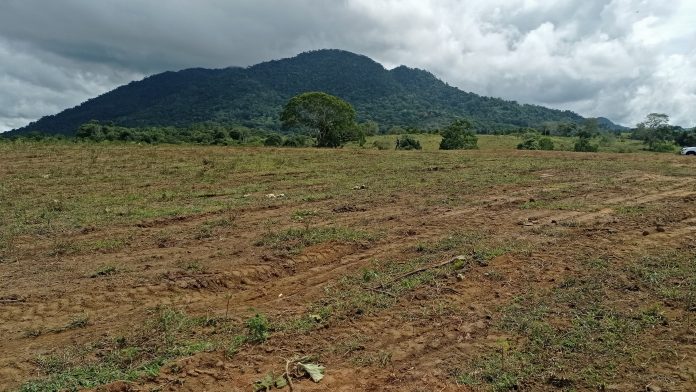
(617, 58)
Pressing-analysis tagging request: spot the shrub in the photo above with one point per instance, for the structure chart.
(407, 143)
(459, 136)
(662, 147)
(530, 141)
(273, 140)
(382, 144)
(257, 328)
(545, 143)
(295, 141)
(534, 141)
(583, 145)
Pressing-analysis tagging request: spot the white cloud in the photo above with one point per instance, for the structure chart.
(616, 58)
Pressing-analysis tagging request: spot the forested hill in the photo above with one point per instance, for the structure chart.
(254, 96)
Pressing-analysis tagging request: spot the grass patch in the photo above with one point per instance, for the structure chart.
(168, 334)
(580, 334)
(293, 240)
(104, 271)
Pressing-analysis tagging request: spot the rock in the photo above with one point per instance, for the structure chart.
(646, 233)
(460, 277)
(358, 187)
(652, 388)
(660, 229)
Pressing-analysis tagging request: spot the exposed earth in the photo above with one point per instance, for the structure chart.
(576, 271)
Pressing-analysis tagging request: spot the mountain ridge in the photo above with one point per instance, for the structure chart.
(253, 96)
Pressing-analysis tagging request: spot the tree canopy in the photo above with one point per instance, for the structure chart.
(656, 132)
(459, 136)
(330, 118)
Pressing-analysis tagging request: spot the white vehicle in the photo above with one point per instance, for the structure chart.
(688, 151)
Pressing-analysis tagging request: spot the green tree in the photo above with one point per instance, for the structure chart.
(370, 128)
(686, 138)
(459, 135)
(656, 132)
(330, 117)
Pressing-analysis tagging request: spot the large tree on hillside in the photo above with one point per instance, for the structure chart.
(330, 117)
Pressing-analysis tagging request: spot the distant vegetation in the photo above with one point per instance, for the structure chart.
(254, 97)
(534, 141)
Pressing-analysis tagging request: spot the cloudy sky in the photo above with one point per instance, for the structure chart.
(616, 58)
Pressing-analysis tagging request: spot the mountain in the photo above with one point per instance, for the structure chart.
(254, 96)
(605, 123)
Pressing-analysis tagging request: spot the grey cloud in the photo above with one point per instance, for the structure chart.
(615, 58)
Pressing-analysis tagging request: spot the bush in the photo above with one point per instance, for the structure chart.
(382, 144)
(530, 141)
(407, 143)
(545, 143)
(273, 140)
(583, 145)
(662, 147)
(258, 328)
(458, 136)
(296, 141)
(534, 141)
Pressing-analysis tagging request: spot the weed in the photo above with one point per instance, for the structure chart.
(258, 329)
(234, 346)
(293, 240)
(104, 271)
(379, 359)
(78, 322)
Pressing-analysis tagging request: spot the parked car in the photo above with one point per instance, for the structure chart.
(688, 151)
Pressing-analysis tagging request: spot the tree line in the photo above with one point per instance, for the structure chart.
(323, 120)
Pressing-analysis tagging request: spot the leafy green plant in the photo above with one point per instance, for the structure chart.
(407, 142)
(459, 135)
(258, 328)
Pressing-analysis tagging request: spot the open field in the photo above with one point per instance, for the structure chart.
(170, 268)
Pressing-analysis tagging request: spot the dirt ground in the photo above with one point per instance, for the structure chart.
(146, 264)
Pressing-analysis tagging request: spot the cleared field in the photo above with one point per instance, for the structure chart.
(171, 267)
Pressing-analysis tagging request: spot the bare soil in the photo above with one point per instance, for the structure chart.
(525, 239)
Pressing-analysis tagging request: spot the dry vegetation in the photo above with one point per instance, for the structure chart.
(169, 268)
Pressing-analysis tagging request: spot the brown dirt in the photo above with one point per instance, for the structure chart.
(422, 336)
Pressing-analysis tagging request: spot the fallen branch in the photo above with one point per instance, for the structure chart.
(427, 267)
(11, 300)
(287, 374)
(377, 290)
